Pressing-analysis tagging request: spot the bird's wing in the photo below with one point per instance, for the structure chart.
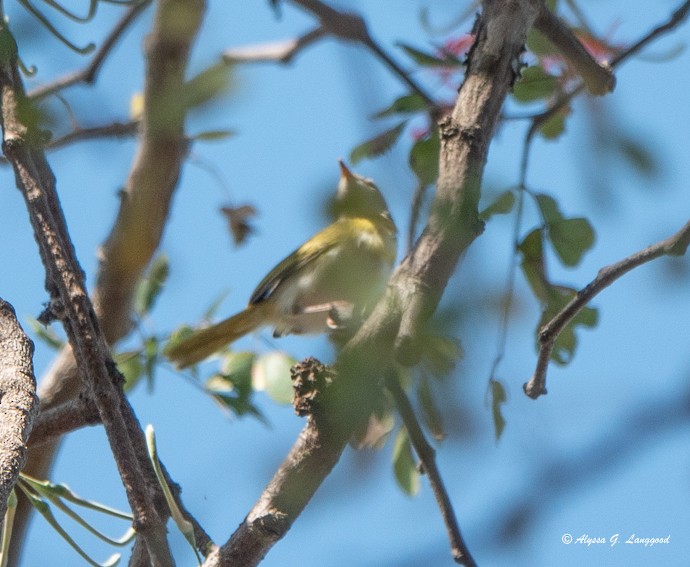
(295, 262)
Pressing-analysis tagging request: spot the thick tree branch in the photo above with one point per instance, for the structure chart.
(143, 212)
(18, 401)
(675, 245)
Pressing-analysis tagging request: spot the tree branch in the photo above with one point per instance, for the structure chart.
(281, 52)
(427, 457)
(18, 401)
(70, 302)
(597, 78)
(675, 245)
(55, 422)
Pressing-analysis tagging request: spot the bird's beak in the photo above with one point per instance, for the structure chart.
(345, 173)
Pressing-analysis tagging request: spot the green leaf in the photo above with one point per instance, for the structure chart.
(407, 104)
(43, 508)
(130, 365)
(150, 356)
(571, 238)
(184, 525)
(555, 125)
(424, 156)
(151, 285)
(7, 528)
(502, 205)
(430, 412)
(428, 60)
(377, 145)
(232, 387)
(638, 155)
(213, 135)
(539, 45)
(404, 465)
(46, 334)
(534, 84)
(532, 265)
(271, 372)
(205, 86)
(498, 398)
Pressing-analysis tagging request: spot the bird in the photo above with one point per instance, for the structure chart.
(327, 284)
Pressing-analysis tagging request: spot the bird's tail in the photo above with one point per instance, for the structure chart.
(204, 342)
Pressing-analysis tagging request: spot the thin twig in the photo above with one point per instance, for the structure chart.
(282, 51)
(88, 74)
(675, 245)
(427, 457)
(352, 27)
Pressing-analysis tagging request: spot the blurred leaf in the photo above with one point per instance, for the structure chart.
(275, 6)
(424, 158)
(404, 465)
(185, 526)
(502, 205)
(130, 365)
(378, 145)
(430, 412)
(638, 155)
(532, 265)
(375, 432)
(213, 135)
(150, 356)
(271, 372)
(232, 387)
(407, 104)
(440, 354)
(534, 84)
(570, 238)
(498, 398)
(238, 220)
(205, 86)
(555, 125)
(539, 45)
(428, 60)
(151, 285)
(46, 334)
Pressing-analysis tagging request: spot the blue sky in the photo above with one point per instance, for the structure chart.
(591, 458)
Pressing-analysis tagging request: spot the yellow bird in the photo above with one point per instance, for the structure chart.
(332, 279)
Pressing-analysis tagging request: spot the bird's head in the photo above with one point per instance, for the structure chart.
(358, 196)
